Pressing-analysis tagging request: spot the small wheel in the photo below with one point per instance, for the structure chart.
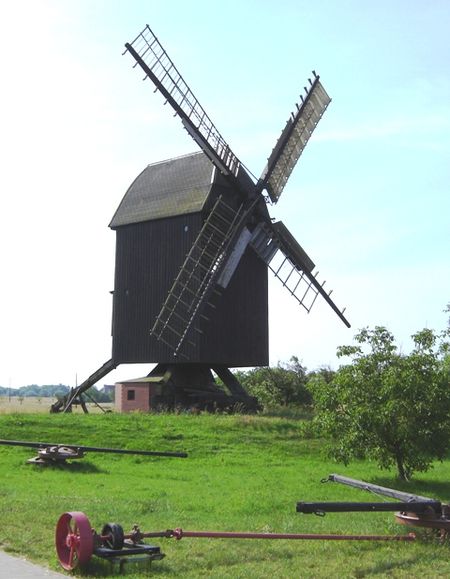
(74, 540)
(113, 538)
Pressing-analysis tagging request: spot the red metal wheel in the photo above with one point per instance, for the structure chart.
(74, 540)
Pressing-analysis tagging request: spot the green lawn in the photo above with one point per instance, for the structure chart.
(243, 474)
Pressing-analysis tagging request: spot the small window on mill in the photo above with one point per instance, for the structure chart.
(131, 394)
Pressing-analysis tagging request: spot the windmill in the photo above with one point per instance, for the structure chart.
(212, 314)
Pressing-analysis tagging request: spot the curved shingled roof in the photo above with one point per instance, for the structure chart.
(174, 187)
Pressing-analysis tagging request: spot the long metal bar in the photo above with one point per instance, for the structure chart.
(93, 448)
(376, 489)
(320, 508)
(179, 534)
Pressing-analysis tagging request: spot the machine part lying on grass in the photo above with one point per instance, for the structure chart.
(413, 510)
(59, 453)
(76, 541)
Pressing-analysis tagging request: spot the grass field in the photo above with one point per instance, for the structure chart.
(244, 473)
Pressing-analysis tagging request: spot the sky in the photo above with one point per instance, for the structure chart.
(368, 200)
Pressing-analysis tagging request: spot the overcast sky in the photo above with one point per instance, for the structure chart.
(369, 199)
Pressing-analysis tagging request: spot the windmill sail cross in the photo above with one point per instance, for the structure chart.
(218, 250)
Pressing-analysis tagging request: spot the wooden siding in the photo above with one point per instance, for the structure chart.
(148, 257)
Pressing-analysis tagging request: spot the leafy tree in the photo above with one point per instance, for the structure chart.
(31, 390)
(386, 406)
(35, 390)
(324, 373)
(284, 385)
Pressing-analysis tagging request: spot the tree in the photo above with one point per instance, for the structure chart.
(98, 395)
(283, 385)
(386, 406)
(324, 373)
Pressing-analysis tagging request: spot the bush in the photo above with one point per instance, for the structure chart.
(284, 385)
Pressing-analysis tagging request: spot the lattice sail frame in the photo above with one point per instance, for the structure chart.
(157, 65)
(293, 139)
(291, 265)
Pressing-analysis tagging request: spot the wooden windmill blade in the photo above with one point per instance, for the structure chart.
(290, 264)
(293, 139)
(157, 65)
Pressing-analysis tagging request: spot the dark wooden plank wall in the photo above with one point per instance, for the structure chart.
(148, 257)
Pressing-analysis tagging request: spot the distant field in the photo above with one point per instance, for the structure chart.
(243, 473)
(34, 404)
